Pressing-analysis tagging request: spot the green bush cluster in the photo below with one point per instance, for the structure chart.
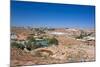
(31, 43)
(17, 45)
(52, 41)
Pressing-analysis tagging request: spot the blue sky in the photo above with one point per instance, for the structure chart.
(37, 14)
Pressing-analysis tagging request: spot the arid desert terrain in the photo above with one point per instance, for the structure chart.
(32, 46)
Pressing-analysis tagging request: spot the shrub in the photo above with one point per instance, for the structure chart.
(79, 37)
(53, 41)
(16, 45)
(31, 39)
(29, 45)
(32, 45)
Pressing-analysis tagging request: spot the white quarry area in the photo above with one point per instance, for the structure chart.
(89, 38)
(67, 32)
(71, 29)
(57, 33)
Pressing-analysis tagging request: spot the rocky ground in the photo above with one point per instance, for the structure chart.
(68, 50)
(53, 54)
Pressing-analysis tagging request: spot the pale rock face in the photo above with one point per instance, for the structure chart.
(61, 56)
(26, 50)
(57, 33)
(44, 54)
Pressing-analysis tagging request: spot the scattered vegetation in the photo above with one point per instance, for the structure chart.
(16, 45)
(32, 43)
